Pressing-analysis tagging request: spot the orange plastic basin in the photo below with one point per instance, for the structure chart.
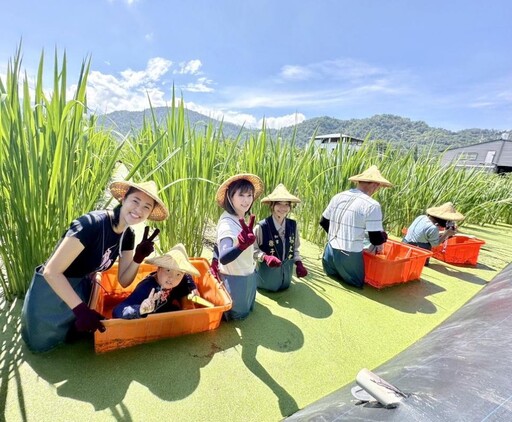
(399, 263)
(121, 333)
(459, 249)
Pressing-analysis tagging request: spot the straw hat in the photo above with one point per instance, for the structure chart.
(120, 188)
(371, 175)
(445, 212)
(175, 259)
(280, 194)
(223, 188)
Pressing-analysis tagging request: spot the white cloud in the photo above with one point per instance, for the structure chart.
(340, 69)
(245, 119)
(201, 85)
(130, 91)
(156, 68)
(283, 121)
(242, 119)
(289, 72)
(481, 104)
(191, 67)
(149, 37)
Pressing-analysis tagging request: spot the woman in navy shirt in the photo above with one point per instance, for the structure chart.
(56, 301)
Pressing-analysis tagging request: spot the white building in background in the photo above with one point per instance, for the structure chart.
(331, 141)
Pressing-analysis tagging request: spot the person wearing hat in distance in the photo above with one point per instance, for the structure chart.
(425, 231)
(277, 243)
(165, 289)
(349, 215)
(235, 241)
(55, 306)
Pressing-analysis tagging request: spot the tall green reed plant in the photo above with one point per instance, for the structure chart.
(54, 165)
(182, 160)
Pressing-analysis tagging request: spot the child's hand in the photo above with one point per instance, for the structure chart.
(194, 292)
(148, 305)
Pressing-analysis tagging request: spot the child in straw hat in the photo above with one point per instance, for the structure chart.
(433, 228)
(55, 307)
(164, 290)
(235, 240)
(277, 243)
(349, 215)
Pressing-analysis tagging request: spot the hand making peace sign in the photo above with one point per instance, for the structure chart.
(148, 305)
(146, 246)
(246, 237)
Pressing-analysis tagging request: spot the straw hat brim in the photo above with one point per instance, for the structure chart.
(280, 194)
(175, 259)
(120, 188)
(372, 175)
(445, 212)
(252, 178)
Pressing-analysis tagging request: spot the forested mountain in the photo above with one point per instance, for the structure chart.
(126, 121)
(390, 128)
(383, 127)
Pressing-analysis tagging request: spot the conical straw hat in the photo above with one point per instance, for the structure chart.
(223, 188)
(445, 212)
(175, 259)
(371, 175)
(280, 194)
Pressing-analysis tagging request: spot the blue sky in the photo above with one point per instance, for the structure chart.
(447, 63)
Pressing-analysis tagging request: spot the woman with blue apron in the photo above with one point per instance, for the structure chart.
(277, 243)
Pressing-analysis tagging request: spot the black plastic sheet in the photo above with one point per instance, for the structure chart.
(461, 371)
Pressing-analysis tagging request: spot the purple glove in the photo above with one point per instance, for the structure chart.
(88, 320)
(214, 268)
(246, 237)
(272, 261)
(146, 246)
(301, 270)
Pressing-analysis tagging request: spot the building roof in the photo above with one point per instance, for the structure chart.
(478, 143)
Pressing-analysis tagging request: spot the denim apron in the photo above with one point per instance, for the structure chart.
(45, 317)
(242, 289)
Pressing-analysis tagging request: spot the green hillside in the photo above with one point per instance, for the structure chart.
(383, 127)
(395, 129)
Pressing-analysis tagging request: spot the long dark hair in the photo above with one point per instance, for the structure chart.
(245, 186)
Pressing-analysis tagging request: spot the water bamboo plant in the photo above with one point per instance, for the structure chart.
(56, 162)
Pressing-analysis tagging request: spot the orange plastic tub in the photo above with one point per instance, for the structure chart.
(459, 249)
(399, 263)
(122, 333)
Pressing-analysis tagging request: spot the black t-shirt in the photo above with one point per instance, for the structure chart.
(101, 243)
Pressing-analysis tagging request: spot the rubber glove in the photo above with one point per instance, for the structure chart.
(87, 319)
(146, 246)
(214, 268)
(246, 237)
(272, 261)
(301, 270)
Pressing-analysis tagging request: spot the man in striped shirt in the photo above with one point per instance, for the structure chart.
(346, 219)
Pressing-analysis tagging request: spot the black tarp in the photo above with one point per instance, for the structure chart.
(461, 371)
